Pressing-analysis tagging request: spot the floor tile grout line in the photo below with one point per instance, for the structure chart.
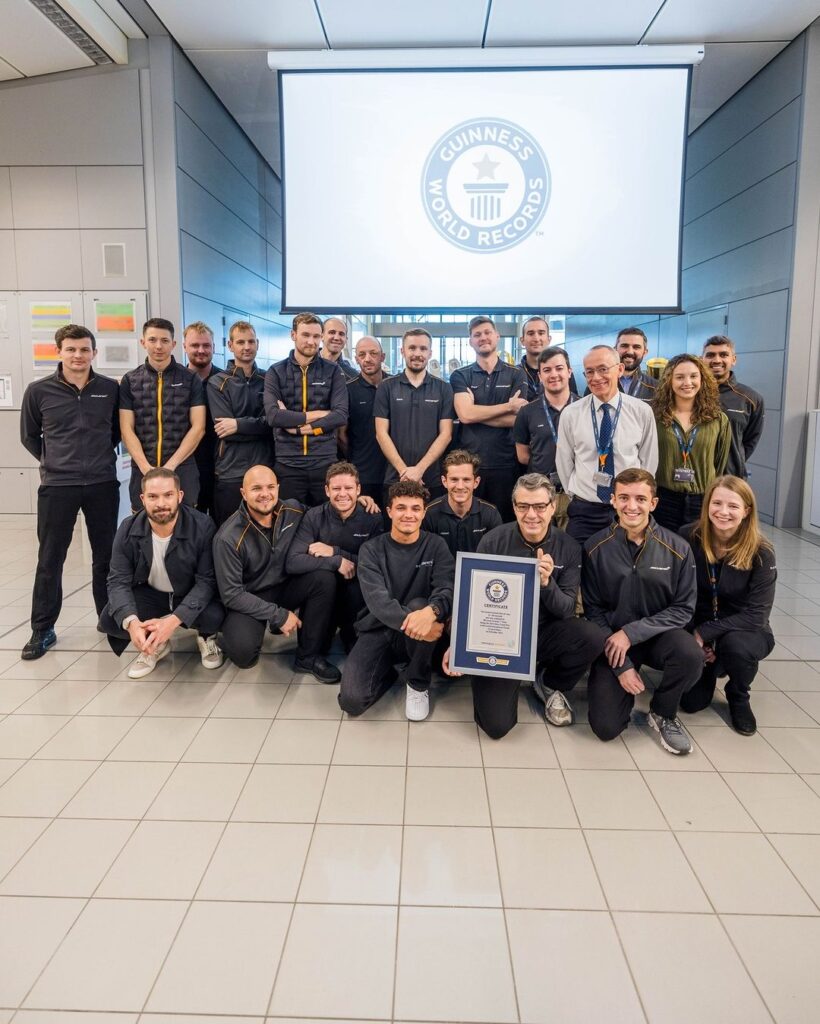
(401, 870)
(286, 936)
(503, 906)
(609, 912)
(184, 918)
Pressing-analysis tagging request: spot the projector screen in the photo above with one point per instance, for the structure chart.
(556, 189)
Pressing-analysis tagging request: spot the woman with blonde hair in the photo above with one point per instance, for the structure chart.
(694, 439)
(736, 575)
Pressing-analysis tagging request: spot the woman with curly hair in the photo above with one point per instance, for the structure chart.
(736, 574)
(694, 439)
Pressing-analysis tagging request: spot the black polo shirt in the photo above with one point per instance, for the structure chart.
(493, 444)
(460, 534)
(531, 428)
(415, 415)
(363, 448)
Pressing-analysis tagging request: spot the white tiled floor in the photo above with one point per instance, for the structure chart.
(211, 847)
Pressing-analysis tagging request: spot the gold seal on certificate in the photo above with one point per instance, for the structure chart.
(495, 616)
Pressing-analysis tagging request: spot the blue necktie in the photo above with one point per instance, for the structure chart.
(605, 444)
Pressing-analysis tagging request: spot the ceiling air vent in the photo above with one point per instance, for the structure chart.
(58, 17)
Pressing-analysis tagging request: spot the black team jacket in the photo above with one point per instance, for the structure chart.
(558, 598)
(345, 536)
(642, 590)
(249, 559)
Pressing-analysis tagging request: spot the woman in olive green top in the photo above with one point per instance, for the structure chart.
(694, 438)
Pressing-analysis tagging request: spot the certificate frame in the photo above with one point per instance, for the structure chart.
(495, 594)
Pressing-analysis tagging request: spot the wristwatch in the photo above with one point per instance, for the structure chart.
(436, 611)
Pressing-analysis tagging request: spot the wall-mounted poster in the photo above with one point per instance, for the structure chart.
(45, 319)
(115, 318)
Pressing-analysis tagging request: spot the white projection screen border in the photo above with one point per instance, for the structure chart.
(452, 190)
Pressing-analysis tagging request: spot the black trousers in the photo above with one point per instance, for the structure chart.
(566, 649)
(675, 653)
(739, 652)
(587, 518)
(370, 668)
(676, 508)
(188, 480)
(153, 604)
(207, 484)
(312, 594)
(304, 483)
(347, 604)
(226, 499)
(57, 509)
(497, 485)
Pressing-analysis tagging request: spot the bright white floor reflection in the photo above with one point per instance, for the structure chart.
(227, 846)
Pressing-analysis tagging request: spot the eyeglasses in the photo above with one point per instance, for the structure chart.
(600, 371)
(524, 506)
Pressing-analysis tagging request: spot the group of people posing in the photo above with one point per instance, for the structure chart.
(257, 505)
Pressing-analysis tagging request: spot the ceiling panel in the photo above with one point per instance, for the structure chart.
(555, 22)
(732, 20)
(372, 23)
(247, 87)
(724, 69)
(30, 43)
(7, 72)
(242, 24)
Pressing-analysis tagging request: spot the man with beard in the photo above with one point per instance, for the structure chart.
(567, 646)
(459, 517)
(305, 403)
(357, 440)
(406, 577)
(198, 345)
(235, 399)
(742, 404)
(329, 538)
(162, 578)
(250, 554)
(413, 412)
(487, 395)
(334, 339)
(632, 346)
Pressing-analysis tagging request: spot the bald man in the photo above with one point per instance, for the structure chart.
(250, 551)
(357, 440)
(334, 339)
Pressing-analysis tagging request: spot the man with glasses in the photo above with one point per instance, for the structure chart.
(567, 646)
(604, 433)
(487, 395)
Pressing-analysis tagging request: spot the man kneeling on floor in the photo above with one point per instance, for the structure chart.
(250, 551)
(639, 585)
(406, 577)
(162, 578)
(567, 645)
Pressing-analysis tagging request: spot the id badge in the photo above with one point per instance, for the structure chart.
(602, 479)
(683, 476)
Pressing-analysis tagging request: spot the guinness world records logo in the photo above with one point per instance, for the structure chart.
(486, 185)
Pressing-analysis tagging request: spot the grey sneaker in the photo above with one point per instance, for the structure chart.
(557, 709)
(671, 733)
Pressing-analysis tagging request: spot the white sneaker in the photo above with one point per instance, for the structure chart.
(210, 651)
(146, 663)
(417, 705)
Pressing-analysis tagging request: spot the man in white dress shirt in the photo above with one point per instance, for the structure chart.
(598, 437)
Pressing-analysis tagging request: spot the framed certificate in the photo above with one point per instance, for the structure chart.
(495, 616)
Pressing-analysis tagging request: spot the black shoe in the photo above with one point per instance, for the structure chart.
(325, 671)
(38, 644)
(742, 716)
